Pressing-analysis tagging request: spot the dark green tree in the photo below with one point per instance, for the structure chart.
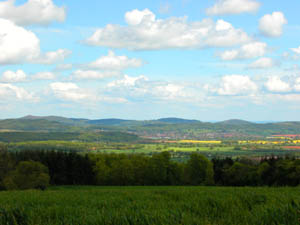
(27, 175)
(6, 165)
(199, 170)
(240, 174)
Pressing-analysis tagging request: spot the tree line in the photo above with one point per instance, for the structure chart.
(38, 169)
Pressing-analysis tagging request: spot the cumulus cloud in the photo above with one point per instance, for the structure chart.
(53, 57)
(271, 25)
(66, 91)
(296, 50)
(128, 81)
(236, 85)
(141, 87)
(14, 77)
(69, 91)
(9, 91)
(275, 84)
(223, 7)
(93, 74)
(115, 62)
(145, 32)
(262, 63)
(247, 51)
(18, 45)
(43, 76)
(20, 76)
(41, 12)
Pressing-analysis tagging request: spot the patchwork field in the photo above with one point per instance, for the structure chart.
(179, 149)
(151, 205)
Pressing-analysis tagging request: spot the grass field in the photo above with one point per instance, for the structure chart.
(151, 205)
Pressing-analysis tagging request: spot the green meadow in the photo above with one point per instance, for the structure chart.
(76, 205)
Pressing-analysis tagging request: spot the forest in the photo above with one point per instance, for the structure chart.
(69, 168)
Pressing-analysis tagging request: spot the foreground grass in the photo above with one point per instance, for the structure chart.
(151, 205)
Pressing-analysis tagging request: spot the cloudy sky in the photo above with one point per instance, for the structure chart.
(206, 60)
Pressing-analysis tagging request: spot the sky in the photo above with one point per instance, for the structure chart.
(208, 60)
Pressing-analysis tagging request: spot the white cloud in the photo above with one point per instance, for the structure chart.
(296, 50)
(43, 76)
(18, 45)
(128, 81)
(14, 77)
(114, 62)
(247, 51)
(20, 76)
(69, 91)
(172, 92)
(53, 57)
(236, 85)
(271, 25)
(223, 7)
(60, 86)
(93, 75)
(41, 12)
(262, 63)
(141, 88)
(136, 17)
(145, 32)
(9, 91)
(275, 84)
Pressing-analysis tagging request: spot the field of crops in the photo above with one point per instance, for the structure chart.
(151, 205)
(180, 150)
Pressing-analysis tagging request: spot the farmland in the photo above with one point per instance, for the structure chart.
(233, 138)
(179, 149)
(151, 205)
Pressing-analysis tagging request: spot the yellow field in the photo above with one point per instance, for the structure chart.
(261, 142)
(257, 142)
(200, 142)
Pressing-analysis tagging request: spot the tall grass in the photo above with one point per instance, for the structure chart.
(151, 206)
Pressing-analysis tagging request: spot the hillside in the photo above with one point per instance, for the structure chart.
(235, 122)
(173, 128)
(177, 121)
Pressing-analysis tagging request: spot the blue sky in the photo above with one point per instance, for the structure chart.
(208, 60)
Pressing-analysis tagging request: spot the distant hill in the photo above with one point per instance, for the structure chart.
(165, 127)
(174, 120)
(55, 119)
(235, 122)
(32, 125)
(107, 122)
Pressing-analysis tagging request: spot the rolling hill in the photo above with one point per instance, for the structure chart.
(164, 127)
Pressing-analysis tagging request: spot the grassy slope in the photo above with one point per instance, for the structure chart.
(152, 205)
